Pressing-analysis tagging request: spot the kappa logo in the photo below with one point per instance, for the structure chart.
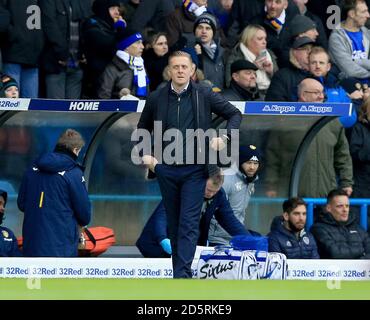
(254, 158)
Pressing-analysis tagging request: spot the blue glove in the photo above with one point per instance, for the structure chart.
(120, 24)
(166, 245)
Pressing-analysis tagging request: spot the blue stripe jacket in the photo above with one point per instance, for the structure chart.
(55, 202)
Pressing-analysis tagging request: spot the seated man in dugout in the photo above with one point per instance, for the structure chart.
(154, 241)
(288, 233)
(337, 234)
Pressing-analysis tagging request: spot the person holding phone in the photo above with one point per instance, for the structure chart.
(252, 47)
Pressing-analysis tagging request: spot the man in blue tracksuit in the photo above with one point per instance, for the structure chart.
(153, 241)
(8, 241)
(54, 199)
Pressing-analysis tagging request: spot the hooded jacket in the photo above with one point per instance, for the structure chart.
(8, 241)
(285, 241)
(54, 199)
(337, 240)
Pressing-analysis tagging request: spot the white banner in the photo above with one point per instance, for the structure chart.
(14, 104)
(162, 268)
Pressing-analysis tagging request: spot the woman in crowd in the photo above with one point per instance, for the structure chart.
(252, 47)
(155, 57)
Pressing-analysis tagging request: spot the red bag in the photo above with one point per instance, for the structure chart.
(95, 240)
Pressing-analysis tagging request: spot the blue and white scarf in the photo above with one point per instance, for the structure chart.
(137, 65)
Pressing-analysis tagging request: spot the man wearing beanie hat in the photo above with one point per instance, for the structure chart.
(99, 46)
(9, 87)
(239, 186)
(8, 241)
(303, 26)
(243, 85)
(126, 71)
(209, 50)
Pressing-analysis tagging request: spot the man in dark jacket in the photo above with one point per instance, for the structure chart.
(288, 234)
(285, 81)
(337, 234)
(54, 199)
(126, 71)
(153, 14)
(276, 20)
(62, 55)
(182, 105)
(22, 46)
(153, 241)
(99, 41)
(8, 241)
(243, 85)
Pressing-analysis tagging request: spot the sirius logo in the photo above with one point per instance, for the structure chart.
(84, 106)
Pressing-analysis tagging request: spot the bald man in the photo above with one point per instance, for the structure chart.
(310, 90)
(327, 158)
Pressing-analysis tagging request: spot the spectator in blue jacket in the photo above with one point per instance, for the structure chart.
(8, 241)
(288, 234)
(54, 199)
(154, 242)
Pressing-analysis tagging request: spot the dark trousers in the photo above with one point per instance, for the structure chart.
(182, 189)
(64, 85)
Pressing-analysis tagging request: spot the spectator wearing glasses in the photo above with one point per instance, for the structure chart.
(328, 164)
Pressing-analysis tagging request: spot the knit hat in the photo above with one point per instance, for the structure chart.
(300, 24)
(249, 153)
(302, 41)
(7, 82)
(126, 37)
(242, 65)
(208, 19)
(193, 54)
